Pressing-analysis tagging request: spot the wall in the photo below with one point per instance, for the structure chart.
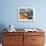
(9, 13)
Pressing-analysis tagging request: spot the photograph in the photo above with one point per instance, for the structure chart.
(26, 14)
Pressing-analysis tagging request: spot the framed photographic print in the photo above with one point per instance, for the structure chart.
(26, 14)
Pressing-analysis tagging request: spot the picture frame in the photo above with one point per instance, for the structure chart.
(26, 14)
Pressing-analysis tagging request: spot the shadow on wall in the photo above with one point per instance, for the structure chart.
(2, 26)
